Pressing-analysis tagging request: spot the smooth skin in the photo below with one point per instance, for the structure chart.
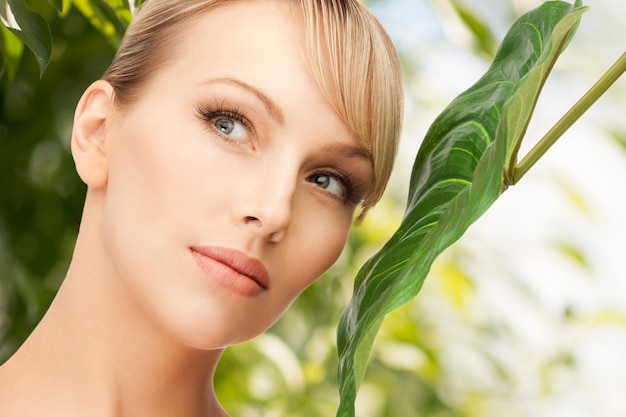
(231, 144)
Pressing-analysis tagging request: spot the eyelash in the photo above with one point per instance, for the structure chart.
(209, 113)
(347, 183)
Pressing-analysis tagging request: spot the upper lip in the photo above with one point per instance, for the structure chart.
(238, 261)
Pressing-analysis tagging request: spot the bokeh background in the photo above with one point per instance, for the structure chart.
(524, 317)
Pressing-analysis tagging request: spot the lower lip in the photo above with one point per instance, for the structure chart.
(227, 277)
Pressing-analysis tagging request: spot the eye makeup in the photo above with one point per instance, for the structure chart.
(226, 121)
(218, 117)
(349, 194)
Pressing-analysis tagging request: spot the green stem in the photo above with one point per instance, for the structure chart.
(590, 97)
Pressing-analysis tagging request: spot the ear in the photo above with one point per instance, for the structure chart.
(89, 134)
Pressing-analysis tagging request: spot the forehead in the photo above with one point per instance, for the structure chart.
(243, 21)
(257, 43)
(254, 39)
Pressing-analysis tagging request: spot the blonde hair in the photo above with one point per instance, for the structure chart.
(350, 56)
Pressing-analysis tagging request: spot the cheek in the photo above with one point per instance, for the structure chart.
(145, 201)
(333, 247)
(320, 247)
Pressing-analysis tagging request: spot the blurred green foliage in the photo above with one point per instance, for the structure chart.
(41, 196)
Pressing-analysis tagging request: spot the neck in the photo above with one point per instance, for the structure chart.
(96, 353)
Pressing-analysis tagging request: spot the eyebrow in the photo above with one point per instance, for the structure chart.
(349, 151)
(271, 107)
(343, 150)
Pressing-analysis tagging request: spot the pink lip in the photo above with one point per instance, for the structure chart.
(232, 269)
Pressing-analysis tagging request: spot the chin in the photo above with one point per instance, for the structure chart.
(213, 334)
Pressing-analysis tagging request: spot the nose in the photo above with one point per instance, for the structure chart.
(261, 227)
(266, 202)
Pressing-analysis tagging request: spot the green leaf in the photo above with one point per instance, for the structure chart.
(462, 167)
(110, 17)
(11, 51)
(32, 29)
(62, 6)
(58, 4)
(478, 27)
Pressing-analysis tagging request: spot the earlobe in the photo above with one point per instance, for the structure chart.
(89, 134)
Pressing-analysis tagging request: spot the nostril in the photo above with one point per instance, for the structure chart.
(276, 237)
(273, 230)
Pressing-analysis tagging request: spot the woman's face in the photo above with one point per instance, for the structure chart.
(232, 183)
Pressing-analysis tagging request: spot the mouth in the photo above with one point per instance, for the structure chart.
(232, 269)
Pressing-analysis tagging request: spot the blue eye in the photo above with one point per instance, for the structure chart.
(230, 127)
(330, 184)
(230, 124)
